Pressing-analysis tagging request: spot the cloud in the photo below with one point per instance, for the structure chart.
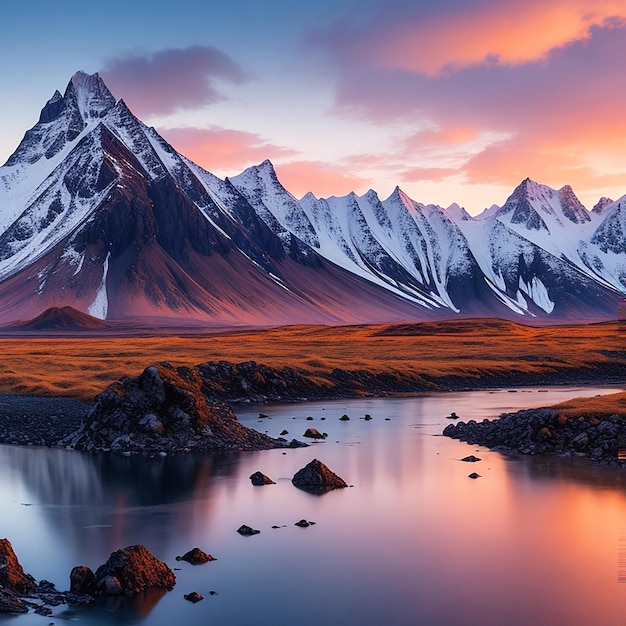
(554, 114)
(323, 179)
(171, 79)
(457, 34)
(217, 148)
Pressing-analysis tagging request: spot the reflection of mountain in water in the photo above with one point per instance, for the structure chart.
(111, 501)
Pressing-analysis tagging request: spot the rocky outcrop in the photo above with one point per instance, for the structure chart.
(132, 570)
(546, 430)
(163, 410)
(196, 556)
(12, 575)
(316, 478)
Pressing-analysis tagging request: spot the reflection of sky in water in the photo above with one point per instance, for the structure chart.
(415, 541)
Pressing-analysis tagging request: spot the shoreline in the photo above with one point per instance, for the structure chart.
(29, 420)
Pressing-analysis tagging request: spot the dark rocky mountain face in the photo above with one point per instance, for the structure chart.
(99, 213)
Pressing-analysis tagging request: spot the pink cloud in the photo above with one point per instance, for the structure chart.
(554, 113)
(217, 148)
(496, 32)
(171, 79)
(323, 179)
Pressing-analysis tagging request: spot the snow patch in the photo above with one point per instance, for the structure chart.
(538, 293)
(100, 306)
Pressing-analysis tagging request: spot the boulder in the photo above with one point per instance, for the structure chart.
(133, 570)
(313, 433)
(470, 459)
(452, 416)
(344, 418)
(12, 575)
(82, 580)
(195, 556)
(317, 478)
(304, 523)
(194, 597)
(474, 475)
(258, 479)
(247, 531)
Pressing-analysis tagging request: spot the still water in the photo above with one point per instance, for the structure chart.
(413, 541)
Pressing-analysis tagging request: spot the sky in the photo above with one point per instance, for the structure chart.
(452, 100)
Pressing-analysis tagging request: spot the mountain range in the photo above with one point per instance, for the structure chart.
(99, 213)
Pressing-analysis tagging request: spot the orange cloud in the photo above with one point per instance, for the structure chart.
(498, 32)
(322, 179)
(555, 163)
(219, 148)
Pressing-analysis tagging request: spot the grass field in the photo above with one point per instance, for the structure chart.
(81, 367)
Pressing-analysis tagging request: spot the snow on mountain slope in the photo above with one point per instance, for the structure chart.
(99, 212)
(273, 203)
(557, 222)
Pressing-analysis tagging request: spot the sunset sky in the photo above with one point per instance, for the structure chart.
(452, 100)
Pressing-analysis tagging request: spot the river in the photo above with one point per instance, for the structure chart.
(412, 541)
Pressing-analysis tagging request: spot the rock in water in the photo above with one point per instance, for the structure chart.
(304, 523)
(313, 433)
(473, 475)
(195, 556)
(82, 580)
(165, 409)
(12, 576)
(247, 531)
(470, 459)
(258, 479)
(131, 571)
(193, 597)
(317, 478)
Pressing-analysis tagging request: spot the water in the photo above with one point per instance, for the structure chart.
(414, 541)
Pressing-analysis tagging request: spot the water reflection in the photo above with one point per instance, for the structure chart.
(413, 533)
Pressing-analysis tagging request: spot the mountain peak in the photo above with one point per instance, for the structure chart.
(572, 208)
(91, 95)
(601, 204)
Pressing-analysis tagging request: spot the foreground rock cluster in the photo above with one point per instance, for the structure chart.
(164, 410)
(537, 431)
(127, 572)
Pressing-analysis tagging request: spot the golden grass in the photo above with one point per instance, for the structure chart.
(82, 367)
(596, 407)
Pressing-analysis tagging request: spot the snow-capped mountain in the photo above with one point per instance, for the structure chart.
(99, 212)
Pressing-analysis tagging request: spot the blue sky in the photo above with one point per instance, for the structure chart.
(455, 100)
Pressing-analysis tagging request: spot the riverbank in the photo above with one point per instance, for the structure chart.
(593, 427)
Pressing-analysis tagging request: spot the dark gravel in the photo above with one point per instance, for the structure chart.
(38, 421)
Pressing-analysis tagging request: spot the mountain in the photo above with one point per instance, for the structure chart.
(98, 212)
(63, 319)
